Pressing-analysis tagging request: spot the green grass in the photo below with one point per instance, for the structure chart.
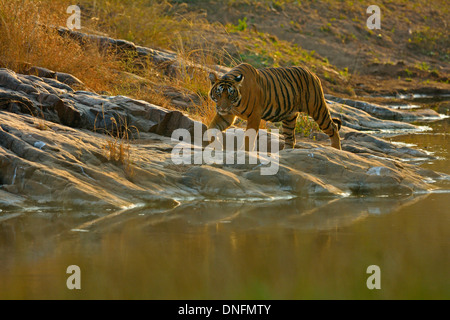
(431, 42)
(423, 66)
(306, 125)
(241, 26)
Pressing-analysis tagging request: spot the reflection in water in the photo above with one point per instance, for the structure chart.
(314, 214)
(302, 248)
(287, 249)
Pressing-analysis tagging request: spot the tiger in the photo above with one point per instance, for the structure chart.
(273, 94)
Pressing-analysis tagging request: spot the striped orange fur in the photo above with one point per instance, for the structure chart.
(271, 94)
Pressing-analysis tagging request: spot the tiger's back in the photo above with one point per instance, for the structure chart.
(274, 94)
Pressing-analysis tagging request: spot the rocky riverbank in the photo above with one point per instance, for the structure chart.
(57, 143)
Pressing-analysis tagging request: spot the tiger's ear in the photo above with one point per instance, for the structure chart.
(239, 79)
(213, 77)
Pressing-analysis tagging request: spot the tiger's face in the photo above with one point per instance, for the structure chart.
(225, 92)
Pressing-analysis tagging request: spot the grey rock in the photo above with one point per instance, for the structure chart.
(361, 120)
(57, 102)
(68, 79)
(384, 112)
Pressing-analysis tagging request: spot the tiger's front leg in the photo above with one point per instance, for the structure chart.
(220, 122)
(251, 132)
(288, 130)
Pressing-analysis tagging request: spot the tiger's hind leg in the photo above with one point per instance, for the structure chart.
(333, 133)
(336, 140)
(329, 126)
(288, 130)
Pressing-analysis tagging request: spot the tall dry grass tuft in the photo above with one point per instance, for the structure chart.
(195, 79)
(27, 36)
(117, 147)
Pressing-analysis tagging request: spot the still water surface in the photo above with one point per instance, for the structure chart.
(296, 249)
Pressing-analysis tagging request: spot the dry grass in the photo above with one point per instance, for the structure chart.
(26, 36)
(117, 146)
(197, 81)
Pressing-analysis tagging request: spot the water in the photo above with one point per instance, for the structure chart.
(418, 97)
(288, 249)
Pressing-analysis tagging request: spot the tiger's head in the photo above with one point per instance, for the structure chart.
(225, 92)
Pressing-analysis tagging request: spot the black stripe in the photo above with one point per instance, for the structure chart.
(281, 85)
(262, 83)
(282, 108)
(229, 124)
(296, 90)
(302, 78)
(329, 124)
(297, 79)
(251, 112)
(321, 106)
(294, 117)
(268, 106)
(322, 110)
(276, 119)
(239, 103)
(267, 112)
(246, 107)
(286, 84)
(289, 86)
(278, 89)
(268, 96)
(325, 117)
(315, 105)
(269, 75)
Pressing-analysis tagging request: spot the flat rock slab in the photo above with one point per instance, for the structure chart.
(386, 113)
(69, 167)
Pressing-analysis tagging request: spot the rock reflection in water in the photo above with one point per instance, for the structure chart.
(282, 249)
(304, 214)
